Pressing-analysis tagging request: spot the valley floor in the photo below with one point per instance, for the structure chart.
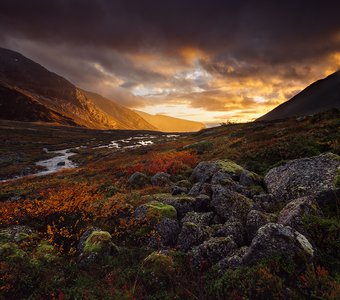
(108, 228)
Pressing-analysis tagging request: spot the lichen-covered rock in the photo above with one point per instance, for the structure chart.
(159, 263)
(161, 179)
(302, 177)
(200, 188)
(266, 202)
(200, 219)
(97, 246)
(293, 213)
(233, 228)
(138, 180)
(155, 211)
(184, 203)
(166, 234)
(192, 235)
(15, 233)
(211, 251)
(232, 261)
(177, 190)
(229, 204)
(248, 178)
(205, 170)
(255, 220)
(273, 240)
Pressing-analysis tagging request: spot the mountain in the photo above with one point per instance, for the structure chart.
(320, 96)
(170, 124)
(29, 92)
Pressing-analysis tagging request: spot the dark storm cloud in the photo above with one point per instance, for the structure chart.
(118, 47)
(273, 31)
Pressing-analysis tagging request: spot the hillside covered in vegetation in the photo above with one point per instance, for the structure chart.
(240, 211)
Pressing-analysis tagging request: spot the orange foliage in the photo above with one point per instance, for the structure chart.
(170, 162)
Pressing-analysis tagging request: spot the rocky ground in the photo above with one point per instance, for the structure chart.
(192, 229)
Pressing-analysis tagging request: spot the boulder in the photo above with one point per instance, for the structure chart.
(303, 177)
(293, 213)
(96, 246)
(161, 179)
(138, 180)
(277, 240)
(166, 234)
(200, 219)
(227, 204)
(192, 235)
(205, 170)
(200, 188)
(15, 233)
(184, 203)
(177, 190)
(211, 251)
(255, 220)
(266, 202)
(159, 263)
(233, 228)
(248, 178)
(156, 211)
(234, 260)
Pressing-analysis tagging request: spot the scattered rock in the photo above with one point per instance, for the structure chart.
(274, 240)
(255, 220)
(248, 178)
(138, 180)
(211, 251)
(155, 211)
(192, 235)
(229, 204)
(293, 213)
(302, 177)
(15, 233)
(159, 263)
(161, 179)
(233, 228)
(205, 170)
(166, 234)
(200, 188)
(177, 190)
(199, 219)
(233, 261)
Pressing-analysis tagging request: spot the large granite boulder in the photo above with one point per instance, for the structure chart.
(302, 177)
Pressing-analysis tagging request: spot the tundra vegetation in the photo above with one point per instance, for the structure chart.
(241, 211)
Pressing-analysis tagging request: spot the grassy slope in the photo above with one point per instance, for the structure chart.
(97, 194)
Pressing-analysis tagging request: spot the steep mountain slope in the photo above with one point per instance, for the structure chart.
(321, 95)
(29, 92)
(126, 118)
(170, 124)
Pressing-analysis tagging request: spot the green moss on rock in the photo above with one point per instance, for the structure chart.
(98, 242)
(159, 263)
(229, 166)
(160, 210)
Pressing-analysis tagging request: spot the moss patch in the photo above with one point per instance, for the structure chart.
(159, 263)
(231, 167)
(337, 179)
(98, 242)
(11, 251)
(160, 210)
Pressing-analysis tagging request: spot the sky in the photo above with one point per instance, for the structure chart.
(211, 61)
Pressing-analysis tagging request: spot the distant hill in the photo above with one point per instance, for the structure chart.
(320, 96)
(29, 92)
(170, 124)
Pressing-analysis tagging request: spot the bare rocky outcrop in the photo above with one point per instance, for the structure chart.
(302, 177)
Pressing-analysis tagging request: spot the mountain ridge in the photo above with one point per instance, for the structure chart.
(321, 95)
(30, 92)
